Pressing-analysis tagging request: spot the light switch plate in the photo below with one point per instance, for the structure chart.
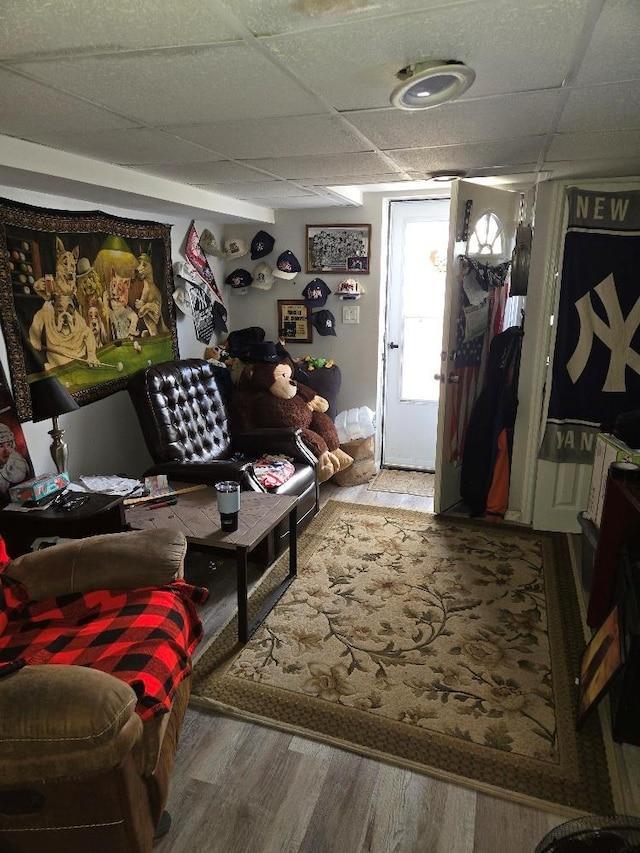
(350, 313)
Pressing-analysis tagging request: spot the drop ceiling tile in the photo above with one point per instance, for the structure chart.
(614, 50)
(458, 122)
(353, 66)
(26, 107)
(511, 152)
(227, 82)
(207, 173)
(35, 29)
(612, 107)
(304, 167)
(275, 137)
(132, 147)
(600, 168)
(593, 146)
(356, 179)
(268, 17)
(271, 189)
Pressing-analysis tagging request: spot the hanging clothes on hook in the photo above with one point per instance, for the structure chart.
(486, 464)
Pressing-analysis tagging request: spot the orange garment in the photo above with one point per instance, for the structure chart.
(498, 497)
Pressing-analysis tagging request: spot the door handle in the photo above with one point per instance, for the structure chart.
(394, 346)
(453, 379)
(439, 377)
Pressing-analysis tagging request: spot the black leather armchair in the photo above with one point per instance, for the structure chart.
(182, 411)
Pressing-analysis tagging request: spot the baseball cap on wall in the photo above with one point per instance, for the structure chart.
(234, 247)
(324, 323)
(349, 289)
(238, 278)
(219, 317)
(287, 266)
(262, 277)
(209, 244)
(315, 293)
(261, 245)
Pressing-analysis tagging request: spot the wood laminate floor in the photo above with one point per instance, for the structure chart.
(243, 788)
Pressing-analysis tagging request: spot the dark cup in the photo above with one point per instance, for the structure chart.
(228, 496)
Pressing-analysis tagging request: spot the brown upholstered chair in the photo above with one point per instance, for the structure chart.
(79, 769)
(182, 411)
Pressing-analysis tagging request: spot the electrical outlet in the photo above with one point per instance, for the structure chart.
(350, 313)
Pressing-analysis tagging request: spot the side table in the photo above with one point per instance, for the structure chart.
(101, 514)
(196, 515)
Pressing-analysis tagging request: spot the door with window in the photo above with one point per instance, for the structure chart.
(418, 240)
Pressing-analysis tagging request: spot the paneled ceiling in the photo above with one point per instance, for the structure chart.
(275, 102)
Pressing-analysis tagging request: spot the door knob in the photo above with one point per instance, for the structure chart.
(439, 377)
(453, 379)
(394, 346)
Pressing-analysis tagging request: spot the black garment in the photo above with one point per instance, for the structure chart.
(494, 410)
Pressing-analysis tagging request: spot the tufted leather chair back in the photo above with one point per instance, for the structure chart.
(181, 411)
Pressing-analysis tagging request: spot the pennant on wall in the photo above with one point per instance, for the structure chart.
(198, 259)
(596, 362)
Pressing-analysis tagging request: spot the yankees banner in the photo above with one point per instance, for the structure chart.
(596, 362)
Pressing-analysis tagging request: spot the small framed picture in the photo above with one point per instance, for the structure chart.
(294, 321)
(338, 248)
(601, 661)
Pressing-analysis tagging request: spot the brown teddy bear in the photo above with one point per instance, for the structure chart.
(267, 397)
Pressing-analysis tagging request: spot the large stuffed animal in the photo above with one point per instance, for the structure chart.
(267, 397)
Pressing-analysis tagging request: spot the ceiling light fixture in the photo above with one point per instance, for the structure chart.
(428, 84)
(447, 175)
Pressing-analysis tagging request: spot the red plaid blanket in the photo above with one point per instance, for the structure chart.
(143, 636)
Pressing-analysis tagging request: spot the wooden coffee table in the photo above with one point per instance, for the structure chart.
(196, 515)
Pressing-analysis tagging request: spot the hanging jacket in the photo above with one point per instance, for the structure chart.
(493, 413)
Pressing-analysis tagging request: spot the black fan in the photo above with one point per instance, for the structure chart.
(594, 834)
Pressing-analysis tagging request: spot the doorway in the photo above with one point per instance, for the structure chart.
(418, 242)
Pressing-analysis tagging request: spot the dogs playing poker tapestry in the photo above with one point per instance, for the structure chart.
(85, 297)
(596, 362)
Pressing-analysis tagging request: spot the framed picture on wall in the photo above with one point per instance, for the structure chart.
(294, 321)
(601, 661)
(338, 248)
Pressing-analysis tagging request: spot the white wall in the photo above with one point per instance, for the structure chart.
(104, 436)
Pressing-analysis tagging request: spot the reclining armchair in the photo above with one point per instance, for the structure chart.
(85, 760)
(183, 414)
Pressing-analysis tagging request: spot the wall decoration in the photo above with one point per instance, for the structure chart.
(15, 462)
(294, 322)
(84, 296)
(596, 360)
(338, 248)
(601, 661)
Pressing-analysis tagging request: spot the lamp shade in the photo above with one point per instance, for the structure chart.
(49, 398)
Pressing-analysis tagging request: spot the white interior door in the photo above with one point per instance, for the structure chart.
(471, 208)
(417, 260)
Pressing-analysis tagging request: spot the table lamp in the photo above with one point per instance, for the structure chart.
(49, 399)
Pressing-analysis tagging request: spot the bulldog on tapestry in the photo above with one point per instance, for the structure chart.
(59, 329)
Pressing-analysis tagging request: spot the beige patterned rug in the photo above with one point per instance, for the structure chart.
(445, 646)
(403, 482)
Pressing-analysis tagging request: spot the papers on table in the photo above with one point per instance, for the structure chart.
(108, 484)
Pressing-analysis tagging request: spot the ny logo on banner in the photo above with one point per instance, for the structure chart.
(617, 336)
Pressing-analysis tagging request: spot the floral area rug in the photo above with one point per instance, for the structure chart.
(444, 646)
(403, 482)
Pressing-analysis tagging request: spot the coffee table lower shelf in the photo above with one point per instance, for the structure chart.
(196, 515)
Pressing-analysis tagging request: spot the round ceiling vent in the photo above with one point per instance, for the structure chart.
(427, 84)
